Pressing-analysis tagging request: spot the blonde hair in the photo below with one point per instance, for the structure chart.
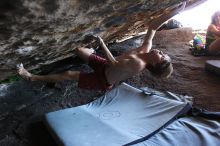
(161, 70)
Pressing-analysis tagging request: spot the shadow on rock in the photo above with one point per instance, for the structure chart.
(40, 136)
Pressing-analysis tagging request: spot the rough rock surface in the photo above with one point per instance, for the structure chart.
(22, 104)
(41, 32)
(46, 31)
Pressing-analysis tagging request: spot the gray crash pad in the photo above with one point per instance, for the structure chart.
(213, 66)
(188, 131)
(123, 115)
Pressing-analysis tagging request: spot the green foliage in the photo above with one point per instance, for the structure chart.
(11, 79)
(15, 78)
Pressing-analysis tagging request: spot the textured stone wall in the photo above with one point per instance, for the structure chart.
(40, 32)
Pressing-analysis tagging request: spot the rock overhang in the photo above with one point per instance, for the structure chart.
(45, 31)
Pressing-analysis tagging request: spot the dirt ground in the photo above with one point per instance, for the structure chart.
(23, 104)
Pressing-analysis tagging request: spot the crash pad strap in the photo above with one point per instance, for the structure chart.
(181, 113)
